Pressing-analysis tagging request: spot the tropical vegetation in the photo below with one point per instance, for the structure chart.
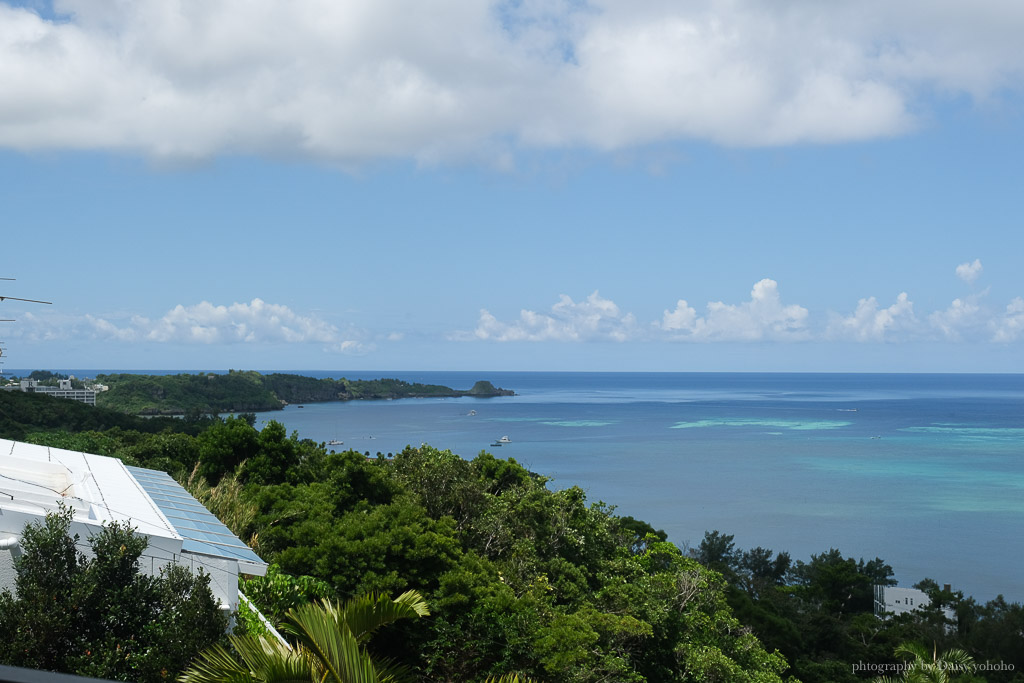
(248, 391)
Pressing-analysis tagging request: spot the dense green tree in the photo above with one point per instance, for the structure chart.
(277, 592)
(993, 632)
(521, 577)
(278, 457)
(100, 616)
(226, 445)
(238, 391)
(635, 534)
(24, 414)
(718, 551)
(840, 584)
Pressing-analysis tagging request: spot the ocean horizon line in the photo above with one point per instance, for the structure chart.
(305, 372)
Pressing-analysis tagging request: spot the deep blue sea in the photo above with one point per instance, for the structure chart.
(924, 471)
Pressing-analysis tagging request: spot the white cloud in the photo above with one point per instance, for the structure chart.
(964, 318)
(370, 79)
(106, 329)
(256, 322)
(869, 323)
(682, 317)
(353, 347)
(763, 317)
(43, 327)
(969, 272)
(1010, 326)
(593, 319)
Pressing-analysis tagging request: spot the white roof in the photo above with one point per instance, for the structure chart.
(203, 532)
(36, 479)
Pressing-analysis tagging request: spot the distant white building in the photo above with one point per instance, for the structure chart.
(62, 390)
(891, 600)
(35, 480)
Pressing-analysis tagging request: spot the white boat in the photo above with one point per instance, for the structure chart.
(504, 439)
(335, 442)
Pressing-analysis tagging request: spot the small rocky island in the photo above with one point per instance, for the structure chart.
(250, 391)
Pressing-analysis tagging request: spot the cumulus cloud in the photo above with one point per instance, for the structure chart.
(870, 323)
(255, 322)
(969, 272)
(763, 317)
(370, 79)
(1010, 326)
(593, 319)
(964, 318)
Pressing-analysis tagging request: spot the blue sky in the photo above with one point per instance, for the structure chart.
(515, 185)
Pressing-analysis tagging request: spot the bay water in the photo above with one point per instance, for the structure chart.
(924, 471)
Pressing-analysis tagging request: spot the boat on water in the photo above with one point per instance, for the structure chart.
(472, 412)
(335, 442)
(504, 439)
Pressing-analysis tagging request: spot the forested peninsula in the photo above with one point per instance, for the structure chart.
(249, 391)
(519, 575)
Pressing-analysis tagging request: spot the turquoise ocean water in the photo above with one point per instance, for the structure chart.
(924, 471)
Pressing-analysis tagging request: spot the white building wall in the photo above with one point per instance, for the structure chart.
(7, 574)
(899, 600)
(896, 600)
(223, 576)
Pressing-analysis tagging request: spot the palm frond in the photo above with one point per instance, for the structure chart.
(958, 659)
(272, 660)
(328, 649)
(914, 651)
(390, 671)
(263, 661)
(366, 613)
(320, 629)
(216, 665)
(934, 666)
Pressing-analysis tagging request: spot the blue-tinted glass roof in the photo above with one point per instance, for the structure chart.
(201, 531)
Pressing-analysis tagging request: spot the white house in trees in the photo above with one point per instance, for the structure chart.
(892, 600)
(35, 480)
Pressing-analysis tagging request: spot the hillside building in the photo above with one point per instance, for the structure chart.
(35, 480)
(62, 390)
(892, 600)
